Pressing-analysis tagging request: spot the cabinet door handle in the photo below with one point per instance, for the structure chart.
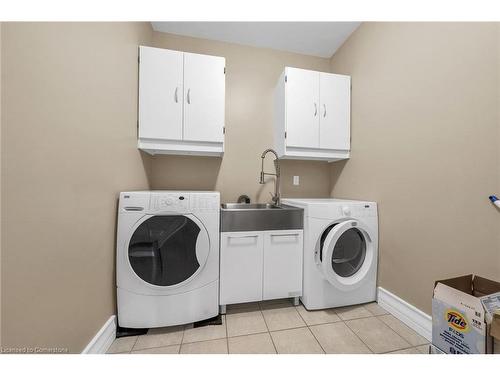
(285, 235)
(247, 236)
(189, 96)
(324, 113)
(176, 98)
(315, 109)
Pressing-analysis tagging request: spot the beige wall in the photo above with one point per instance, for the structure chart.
(251, 75)
(69, 99)
(498, 119)
(424, 146)
(0, 185)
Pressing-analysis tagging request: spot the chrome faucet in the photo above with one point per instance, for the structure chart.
(276, 197)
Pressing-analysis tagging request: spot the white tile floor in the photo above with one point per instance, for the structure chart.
(279, 327)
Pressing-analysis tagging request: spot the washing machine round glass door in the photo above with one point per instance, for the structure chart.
(168, 250)
(346, 254)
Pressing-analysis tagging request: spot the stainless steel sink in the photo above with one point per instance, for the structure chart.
(241, 217)
(249, 206)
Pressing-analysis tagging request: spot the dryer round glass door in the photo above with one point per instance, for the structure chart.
(168, 250)
(346, 254)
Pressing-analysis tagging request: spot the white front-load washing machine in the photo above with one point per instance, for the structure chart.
(340, 252)
(167, 257)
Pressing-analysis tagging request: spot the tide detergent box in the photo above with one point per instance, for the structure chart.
(459, 319)
(491, 304)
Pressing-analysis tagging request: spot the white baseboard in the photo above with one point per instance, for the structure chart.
(411, 316)
(103, 339)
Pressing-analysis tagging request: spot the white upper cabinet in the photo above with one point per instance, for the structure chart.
(335, 129)
(181, 102)
(312, 115)
(302, 110)
(204, 86)
(160, 94)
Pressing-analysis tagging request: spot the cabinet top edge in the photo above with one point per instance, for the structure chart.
(174, 50)
(288, 68)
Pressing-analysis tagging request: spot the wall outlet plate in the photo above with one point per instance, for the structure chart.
(296, 181)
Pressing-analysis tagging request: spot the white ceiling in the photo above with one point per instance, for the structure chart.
(309, 38)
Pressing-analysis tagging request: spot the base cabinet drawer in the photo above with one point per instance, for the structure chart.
(282, 275)
(241, 256)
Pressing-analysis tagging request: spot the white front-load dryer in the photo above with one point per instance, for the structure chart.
(167, 257)
(340, 252)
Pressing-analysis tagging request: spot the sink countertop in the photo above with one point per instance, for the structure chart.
(245, 217)
(255, 206)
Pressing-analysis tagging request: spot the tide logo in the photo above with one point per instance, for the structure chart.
(456, 320)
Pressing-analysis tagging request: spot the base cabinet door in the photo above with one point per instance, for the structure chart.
(282, 276)
(241, 267)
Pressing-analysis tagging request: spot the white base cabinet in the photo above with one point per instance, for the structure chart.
(241, 259)
(256, 266)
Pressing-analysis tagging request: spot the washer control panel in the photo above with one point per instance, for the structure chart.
(358, 210)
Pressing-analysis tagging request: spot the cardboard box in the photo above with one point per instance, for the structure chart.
(491, 304)
(459, 320)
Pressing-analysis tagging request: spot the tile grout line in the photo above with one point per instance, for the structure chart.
(309, 329)
(360, 339)
(380, 320)
(224, 318)
(397, 350)
(405, 326)
(268, 331)
(349, 328)
(182, 338)
(251, 334)
(157, 347)
(133, 346)
(158, 334)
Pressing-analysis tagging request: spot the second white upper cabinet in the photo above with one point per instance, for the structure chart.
(335, 129)
(181, 102)
(312, 115)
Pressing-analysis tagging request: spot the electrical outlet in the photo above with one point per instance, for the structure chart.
(296, 180)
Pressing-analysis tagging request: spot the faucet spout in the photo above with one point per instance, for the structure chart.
(276, 197)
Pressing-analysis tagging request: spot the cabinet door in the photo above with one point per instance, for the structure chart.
(335, 120)
(160, 93)
(241, 256)
(302, 108)
(204, 92)
(282, 264)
